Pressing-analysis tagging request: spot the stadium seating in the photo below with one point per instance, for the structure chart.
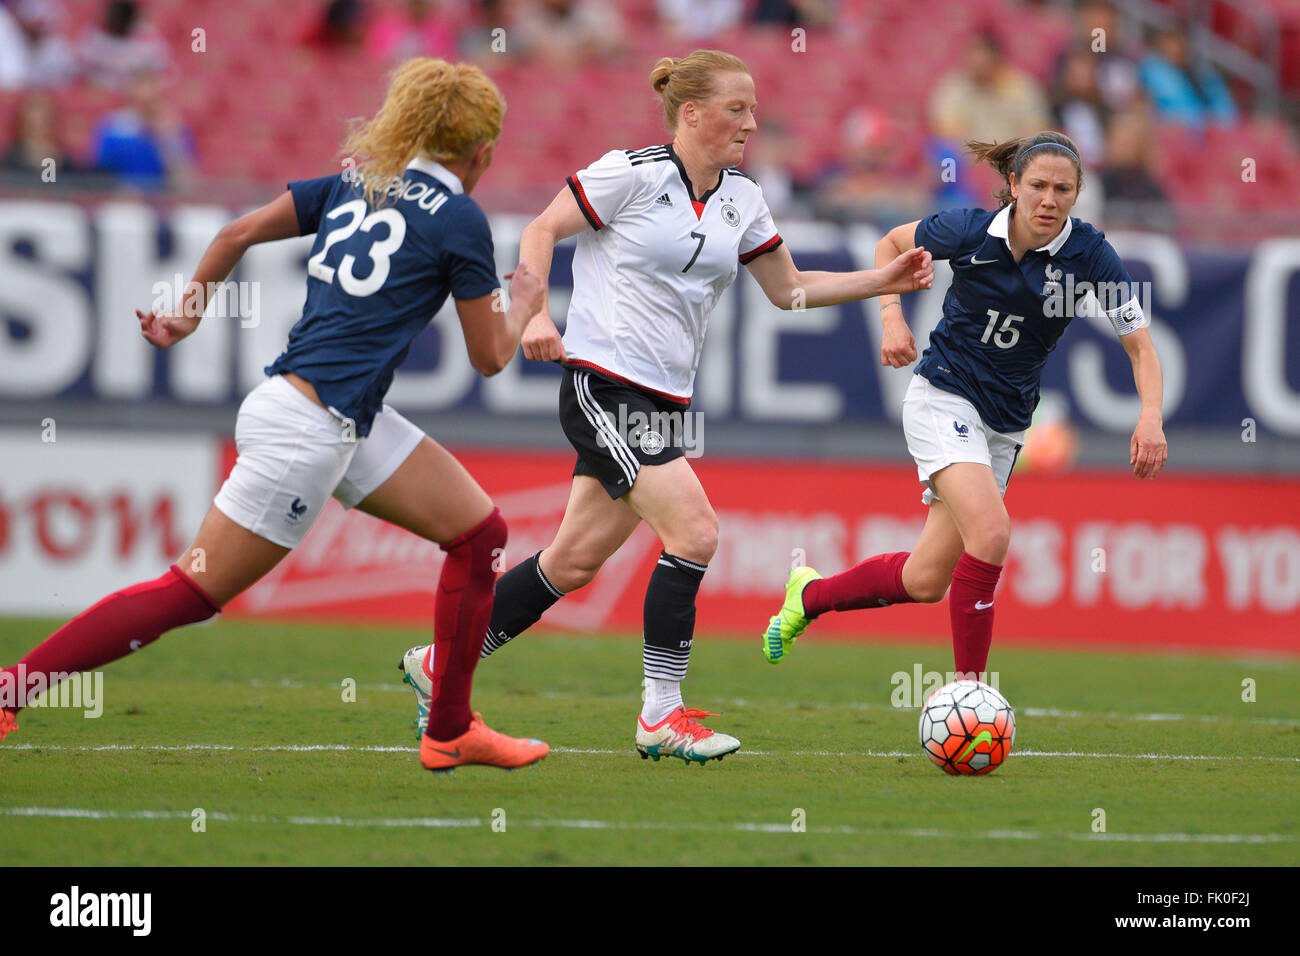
(265, 107)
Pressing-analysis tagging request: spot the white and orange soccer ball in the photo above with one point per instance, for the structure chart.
(967, 727)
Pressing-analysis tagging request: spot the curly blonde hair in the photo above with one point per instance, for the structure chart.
(433, 108)
(690, 79)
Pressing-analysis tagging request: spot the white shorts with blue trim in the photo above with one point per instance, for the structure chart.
(295, 455)
(942, 428)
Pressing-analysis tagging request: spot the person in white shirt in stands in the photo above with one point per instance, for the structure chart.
(661, 232)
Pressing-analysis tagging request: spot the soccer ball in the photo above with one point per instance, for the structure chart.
(967, 727)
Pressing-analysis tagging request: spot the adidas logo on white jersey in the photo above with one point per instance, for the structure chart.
(664, 200)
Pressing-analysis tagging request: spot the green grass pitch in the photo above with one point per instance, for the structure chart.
(220, 718)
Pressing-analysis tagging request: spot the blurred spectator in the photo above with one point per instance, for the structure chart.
(1192, 94)
(35, 139)
(413, 28)
(699, 19)
(1096, 30)
(33, 52)
(111, 54)
(488, 32)
(340, 25)
(986, 98)
(792, 13)
(13, 52)
(564, 33)
(145, 144)
(873, 182)
(770, 159)
(1129, 176)
(1078, 107)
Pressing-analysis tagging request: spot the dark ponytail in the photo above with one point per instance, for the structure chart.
(1010, 157)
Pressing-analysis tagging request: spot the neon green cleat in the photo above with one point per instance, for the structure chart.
(784, 629)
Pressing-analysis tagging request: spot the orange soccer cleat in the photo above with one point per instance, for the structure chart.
(8, 722)
(482, 745)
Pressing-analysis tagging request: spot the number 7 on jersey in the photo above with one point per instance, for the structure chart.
(699, 236)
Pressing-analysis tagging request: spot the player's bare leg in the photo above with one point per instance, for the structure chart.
(672, 501)
(432, 494)
(594, 526)
(927, 571)
(226, 560)
(973, 500)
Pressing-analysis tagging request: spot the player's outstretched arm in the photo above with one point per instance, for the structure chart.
(1148, 450)
(787, 287)
(561, 219)
(897, 346)
(276, 220)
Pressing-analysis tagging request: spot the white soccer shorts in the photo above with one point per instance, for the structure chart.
(943, 428)
(294, 455)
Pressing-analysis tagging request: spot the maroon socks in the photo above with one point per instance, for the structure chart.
(970, 606)
(875, 582)
(878, 581)
(461, 613)
(123, 622)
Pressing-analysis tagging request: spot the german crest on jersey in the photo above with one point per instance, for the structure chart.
(730, 214)
(651, 442)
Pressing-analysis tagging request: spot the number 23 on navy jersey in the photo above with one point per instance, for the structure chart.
(377, 276)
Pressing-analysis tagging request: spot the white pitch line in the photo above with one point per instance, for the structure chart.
(583, 751)
(1116, 715)
(440, 823)
(181, 748)
(851, 704)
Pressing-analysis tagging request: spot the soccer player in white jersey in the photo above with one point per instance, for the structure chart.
(1020, 274)
(661, 232)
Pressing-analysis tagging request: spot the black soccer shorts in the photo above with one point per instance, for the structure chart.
(616, 427)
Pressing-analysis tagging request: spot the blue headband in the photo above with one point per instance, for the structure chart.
(1058, 146)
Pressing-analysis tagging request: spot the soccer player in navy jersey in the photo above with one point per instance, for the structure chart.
(1020, 274)
(395, 236)
(662, 232)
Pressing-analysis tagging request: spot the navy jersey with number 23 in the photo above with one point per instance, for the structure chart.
(998, 326)
(376, 277)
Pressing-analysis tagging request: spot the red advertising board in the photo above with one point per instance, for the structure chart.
(1096, 558)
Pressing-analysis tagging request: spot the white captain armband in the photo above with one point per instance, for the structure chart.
(1128, 318)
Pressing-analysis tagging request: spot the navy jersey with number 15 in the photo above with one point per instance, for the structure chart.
(1002, 318)
(376, 277)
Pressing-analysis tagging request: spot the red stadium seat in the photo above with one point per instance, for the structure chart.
(288, 104)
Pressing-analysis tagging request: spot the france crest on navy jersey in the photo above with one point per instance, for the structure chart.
(1002, 318)
(376, 277)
